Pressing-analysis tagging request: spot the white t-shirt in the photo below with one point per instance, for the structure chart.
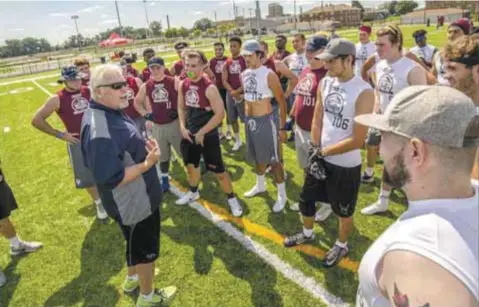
(363, 52)
(255, 84)
(297, 62)
(441, 71)
(442, 230)
(425, 52)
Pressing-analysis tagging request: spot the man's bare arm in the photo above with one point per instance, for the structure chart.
(367, 65)
(275, 86)
(140, 103)
(286, 72)
(216, 103)
(317, 123)
(39, 120)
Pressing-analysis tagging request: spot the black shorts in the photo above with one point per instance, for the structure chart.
(211, 152)
(7, 199)
(223, 92)
(143, 240)
(340, 189)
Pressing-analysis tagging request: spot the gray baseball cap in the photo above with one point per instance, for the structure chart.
(438, 115)
(250, 47)
(337, 47)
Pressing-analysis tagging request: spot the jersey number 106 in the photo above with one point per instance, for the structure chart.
(341, 123)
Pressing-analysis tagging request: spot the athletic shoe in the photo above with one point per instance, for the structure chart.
(279, 205)
(323, 213)
(172, 157)
(221, 135)
(268, 169)
(161, 296)
(297, 239)
(377, 207)
(25, 247)
(294, 207)
(100, 212)
(254, 191)
(365, 178)
(130, 285)
(165, 184)
(3, 279)
(237, 146)
(235, 207)
(188, 198)
(229, 136)
(334, 255)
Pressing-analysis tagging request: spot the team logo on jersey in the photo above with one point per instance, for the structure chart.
(79, 104)
(362, 54)
(252, 125)
(334, 103)
(192, 98)
(386, 84)
(130, 94)
(219, 66)
(235, 67)
(160, 95)
(305, 85)
(250, 84)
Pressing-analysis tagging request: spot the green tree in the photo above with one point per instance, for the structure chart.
(358, 5)
(203, 24)
(183, 32)
(390, 6)
(156, 27)
(405, 6)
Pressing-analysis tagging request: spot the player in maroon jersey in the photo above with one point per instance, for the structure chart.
(157, 102)
(200, 112)
(281, 53)
(179, 65)
(70, 103)
(133, 87)
(130, 70)
(83, 66)
(148, 53)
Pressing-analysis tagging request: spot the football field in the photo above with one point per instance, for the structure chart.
(212, 257)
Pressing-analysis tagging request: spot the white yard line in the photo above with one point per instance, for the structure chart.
(41, 87)
(26, 80)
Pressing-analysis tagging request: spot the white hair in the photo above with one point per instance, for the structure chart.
(100, 75)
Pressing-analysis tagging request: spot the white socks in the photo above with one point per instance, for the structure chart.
(229, 128)
(97, 201)
(164, 175)
(132, 277)
(384, 197)
(15, 241)
(369, 171)
(237, 137)
(260, 181)
(281, 190)
(340, 244)
(307, 232)
(148, 297)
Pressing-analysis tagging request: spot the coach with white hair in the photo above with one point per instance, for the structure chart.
(122, 163)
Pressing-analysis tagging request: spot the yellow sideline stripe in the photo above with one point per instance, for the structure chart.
(267, 233)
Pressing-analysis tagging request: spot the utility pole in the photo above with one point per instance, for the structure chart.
(147, 21)
(251, 20)
(119, 20)
(216, 25)
(295, 26)
(168, 21)
(75, 18)
(258, 19)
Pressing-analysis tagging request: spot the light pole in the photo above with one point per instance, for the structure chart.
(147, 21)
(119, 20)
(75, 18)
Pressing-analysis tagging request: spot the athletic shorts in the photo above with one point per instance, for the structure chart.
(211, 152)
(262, 140)
(167, 136)
(275, 114)
(223, 93)
(143, 240)
(374, 137)
(7, 199)
(234, 109)
(301, 140)
(83, 176)
(340, 189)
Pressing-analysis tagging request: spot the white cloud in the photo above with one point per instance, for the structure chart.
(91, 30)
(58, 14)
(16, 29)
(108, 21)
(64, 26)
(224, 3)
(103, 16)
(152, 3)
(198, 13)
(90, 9)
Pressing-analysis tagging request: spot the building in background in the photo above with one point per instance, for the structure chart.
(346, 15)
(275, 10)
(472, 6)
(421, 16)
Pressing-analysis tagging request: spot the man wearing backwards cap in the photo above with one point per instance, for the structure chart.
(364, 49)
(260, 84)
(461, 62)
(429, 256)
(423, 50)
(179, 65)
(157, 102)
(455, 30)
(334, 173)
(70, 103)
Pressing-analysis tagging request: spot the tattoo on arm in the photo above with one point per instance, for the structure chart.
(401, 300)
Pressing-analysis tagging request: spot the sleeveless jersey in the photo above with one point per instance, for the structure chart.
(72, 107)
(392, 78)
(297, 62)
(198, 108)
(255, 84)
(235, 67)
(131, 92)
(363, 52)
(131, 71)
(339, 105)
(163, 99)
(425, 52)
(441, 71)
(306, 93)
(443, 230)
(216, 66)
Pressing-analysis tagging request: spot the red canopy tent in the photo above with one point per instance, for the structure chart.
(115, 40)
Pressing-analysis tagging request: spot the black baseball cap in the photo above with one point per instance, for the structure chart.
(181, 45)
(316, 42)
(156, 61)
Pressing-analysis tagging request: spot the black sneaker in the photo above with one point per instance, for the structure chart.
(366, 178)
(297, 239)
(334, 255)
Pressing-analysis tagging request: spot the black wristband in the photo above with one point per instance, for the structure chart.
(148, 116)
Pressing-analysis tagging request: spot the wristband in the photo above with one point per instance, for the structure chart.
(59, 135)
(148, 116)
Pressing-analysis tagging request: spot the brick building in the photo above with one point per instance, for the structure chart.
(346, 15)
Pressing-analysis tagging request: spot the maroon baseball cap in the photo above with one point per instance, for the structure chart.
(464, 24)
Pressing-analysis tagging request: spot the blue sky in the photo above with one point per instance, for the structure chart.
(51, 19)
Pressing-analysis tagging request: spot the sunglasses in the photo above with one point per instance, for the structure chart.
(115, 86)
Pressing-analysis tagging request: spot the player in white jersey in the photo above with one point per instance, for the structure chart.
(455, 30)
(461, 62)
(423, 50)
(364, 49)
(334, 172)
(429, 256)
(393, 73)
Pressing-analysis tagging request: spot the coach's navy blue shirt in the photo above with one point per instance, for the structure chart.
(110, 142)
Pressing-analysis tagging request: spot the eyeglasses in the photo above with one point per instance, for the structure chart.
(115, 86)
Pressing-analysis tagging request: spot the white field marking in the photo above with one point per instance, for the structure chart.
(26, 80)
(6, 129)
(307, 283)
(42, 88)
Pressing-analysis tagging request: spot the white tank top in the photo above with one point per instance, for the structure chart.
(438, 63)
(339, 103)
(425, 52)
(255, 84)
(442, 230)
(297, 62)
(392, 78)
(363, 52)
